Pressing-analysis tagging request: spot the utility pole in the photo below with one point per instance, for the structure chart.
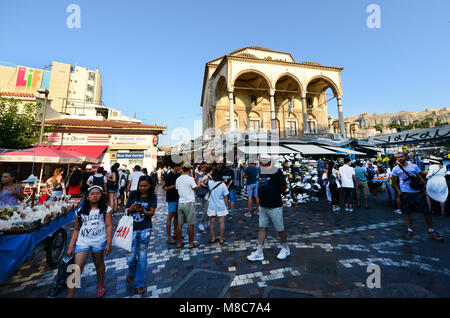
(44, 111)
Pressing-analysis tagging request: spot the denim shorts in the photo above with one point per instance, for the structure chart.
(93, 249)
(113, 191)
(252, 190)
(232, 195)
(172, 206)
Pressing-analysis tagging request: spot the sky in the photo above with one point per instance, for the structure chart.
(152, 54)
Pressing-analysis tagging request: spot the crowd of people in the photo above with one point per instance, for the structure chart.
(408, 187)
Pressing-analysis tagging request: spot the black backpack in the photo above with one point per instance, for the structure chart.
(98, 181)
(332, 179)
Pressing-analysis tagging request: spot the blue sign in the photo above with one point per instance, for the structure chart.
(130, 155)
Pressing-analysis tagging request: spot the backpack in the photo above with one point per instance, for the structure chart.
(123, 180)
(113, 185)
(98, 181)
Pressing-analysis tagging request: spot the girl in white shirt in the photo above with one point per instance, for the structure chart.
(93, 233)
(436, 184)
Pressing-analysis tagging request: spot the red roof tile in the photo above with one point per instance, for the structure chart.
(101, 123)
(16, 94)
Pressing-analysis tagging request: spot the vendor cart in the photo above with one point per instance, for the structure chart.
(18, 246)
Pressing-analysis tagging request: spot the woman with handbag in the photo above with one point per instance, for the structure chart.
(437, 188)
(202, 193)
(141, 205)
(93, 233)
(217, 205)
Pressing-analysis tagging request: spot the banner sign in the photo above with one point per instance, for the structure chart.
(412, 136)
(130, 155)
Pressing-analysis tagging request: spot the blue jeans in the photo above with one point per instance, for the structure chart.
(137, 257)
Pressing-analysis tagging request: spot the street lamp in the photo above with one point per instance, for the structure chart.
(43, 91)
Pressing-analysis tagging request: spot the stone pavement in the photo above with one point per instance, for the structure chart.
(330, 253)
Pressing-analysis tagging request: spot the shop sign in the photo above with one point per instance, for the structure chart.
(130, 140)
(130, 155)
(410, 136)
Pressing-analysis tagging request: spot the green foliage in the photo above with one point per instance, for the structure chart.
(18, 123)
(379, 127)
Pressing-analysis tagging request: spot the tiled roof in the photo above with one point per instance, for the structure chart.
(102, 123)
(15, 94)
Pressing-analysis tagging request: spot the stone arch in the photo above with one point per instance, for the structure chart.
(269, 84)
(287, 74)
(334, 87)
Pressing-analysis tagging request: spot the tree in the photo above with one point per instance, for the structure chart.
(19, 126)
(379, 127)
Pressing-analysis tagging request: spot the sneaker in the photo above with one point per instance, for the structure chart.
(338, 209)
(350, 209)
(408, 234)
(283, 253)
(346, 209)
(248, 214)
(334, 209)
(398, 211)
(435, 235)
(255, 256)
(201, 227)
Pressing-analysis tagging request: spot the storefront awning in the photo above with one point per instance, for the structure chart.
(272, 150)
(310, 149)
(91, 151)
(345, 151)
(40, 154)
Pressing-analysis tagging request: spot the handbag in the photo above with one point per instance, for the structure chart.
(416, 183)
(202, 191)
(59, 282)
(123, 237)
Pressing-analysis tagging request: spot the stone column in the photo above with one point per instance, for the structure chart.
(231, 109)
(341, 117)
(273, 115)
(305, 114)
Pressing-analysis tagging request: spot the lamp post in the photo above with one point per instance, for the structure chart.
(43, 91)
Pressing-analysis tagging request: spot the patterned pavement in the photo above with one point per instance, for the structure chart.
(330, 253)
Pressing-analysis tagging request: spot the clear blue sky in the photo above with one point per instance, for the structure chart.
(152, 54)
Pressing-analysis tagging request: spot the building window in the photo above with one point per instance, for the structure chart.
(236, 123)
(89, 99)
(91, 76)
(253, 100)
(90, 88)
(312, 126)
(291, 127)
(255, 124)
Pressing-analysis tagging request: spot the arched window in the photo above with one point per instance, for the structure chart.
(291, 127)
(312, 124)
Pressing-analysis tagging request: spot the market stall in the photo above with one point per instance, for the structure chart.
(26, 230)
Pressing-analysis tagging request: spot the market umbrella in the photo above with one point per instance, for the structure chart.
(40, 154)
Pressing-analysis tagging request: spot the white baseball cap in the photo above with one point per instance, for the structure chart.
(265, 158)
(88, 167)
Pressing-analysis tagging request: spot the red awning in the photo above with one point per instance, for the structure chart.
(72, 150)
(90, 151)
(41, 154)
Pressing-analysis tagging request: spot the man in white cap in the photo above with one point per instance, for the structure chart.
(86, 175)
(271, 185)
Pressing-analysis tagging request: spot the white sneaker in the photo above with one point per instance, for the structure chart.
(346, 209)
(283, 253)
(255, 256)
(350, 209)
(338, 209)
(398, 211)
(201, 227)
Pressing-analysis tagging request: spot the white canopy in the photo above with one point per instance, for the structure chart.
(310, 149)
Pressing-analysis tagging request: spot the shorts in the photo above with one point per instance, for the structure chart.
(232, 195)
(186, 213)
(172, 206)
(113, 191)
(362, 187)
(273, 214)
(217, 213)
(413, 201)
(252, 190)
(93, 249)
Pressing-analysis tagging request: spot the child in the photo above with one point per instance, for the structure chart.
(93, 232)
(141, 205)
(10, 191)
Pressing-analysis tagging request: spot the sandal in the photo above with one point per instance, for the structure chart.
(194, 245)
(130, 280)
(171, 241)
(222, 241)
(212, 241)
(180, 246)
(101, 291)
(140, 290)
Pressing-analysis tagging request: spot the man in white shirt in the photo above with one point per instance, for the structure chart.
(133, 179)
(186, 186)
(98, 179)
(348, 181)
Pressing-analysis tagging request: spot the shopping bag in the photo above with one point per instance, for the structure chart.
(123, 237)
(59, 282)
